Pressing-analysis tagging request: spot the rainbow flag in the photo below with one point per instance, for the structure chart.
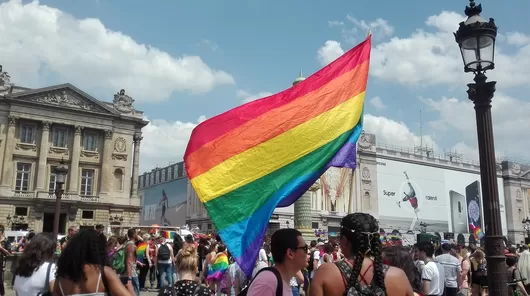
(168, 234)
(477, 231)
(265, 154)
(140, 251)
(218, 268)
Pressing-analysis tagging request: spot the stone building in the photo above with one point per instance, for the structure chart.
(99, 141)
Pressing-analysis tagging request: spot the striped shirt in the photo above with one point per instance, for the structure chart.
(452, 269)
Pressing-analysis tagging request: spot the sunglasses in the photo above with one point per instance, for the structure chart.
(305, 248)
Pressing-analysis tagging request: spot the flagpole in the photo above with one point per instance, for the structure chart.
(369, 33)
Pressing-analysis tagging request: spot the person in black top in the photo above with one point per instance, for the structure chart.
(72, 231)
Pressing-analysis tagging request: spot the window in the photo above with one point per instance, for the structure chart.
(209, 226)
(151, 179)
(60, 137)
(314, 225)
(23, 175)
(51, 185)
(88, 215)
(175, 171)
(90, 141)
(21, 211)
(118, 179)
(163, 175)
(27, 134)
(157, 177)
(169, 172)
(87, 182)
(180, 170)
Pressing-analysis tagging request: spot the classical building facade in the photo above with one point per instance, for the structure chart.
(99, 142)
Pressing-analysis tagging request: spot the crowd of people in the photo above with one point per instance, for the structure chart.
(356, 264)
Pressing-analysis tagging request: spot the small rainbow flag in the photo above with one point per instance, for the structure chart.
(476, 231)
(168, 234)
(218, 268)
(265, 154)
(140, 251)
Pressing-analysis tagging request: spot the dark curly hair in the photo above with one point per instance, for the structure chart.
(362, 232)
(86, 247)
(40, 249)
(178, 243)
(400, 257)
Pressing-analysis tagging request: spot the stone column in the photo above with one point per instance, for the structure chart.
(302, 214)
(106, 164)
(73, 179)
(8, 171)
(43, 156)
(136, 164)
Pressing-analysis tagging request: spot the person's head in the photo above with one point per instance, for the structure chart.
(131, 234)
(221, 248)
(41, 249)
(288, 248)
(213, 247)
(446, 248)
(30, 236)
(112, 242)
(399, 257)
(525, 247)
(425, 250)
(415, 252)
(478, 256)
(359, 238)
(328, 249)
(189, 239)
(511, 261)
(313, 244)
(512, 250)
(72, 231)
(88, 247)
(186, 260)
(178, 243)
(146, 237)
(100, 228)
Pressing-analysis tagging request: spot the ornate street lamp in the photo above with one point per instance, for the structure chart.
(476, 39)
(60, 177)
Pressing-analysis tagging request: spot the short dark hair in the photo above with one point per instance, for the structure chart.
(30, 235)
(446, 247)
(189, 239)
(313, 243)
(283, 240)
(131, 233)
(426, 247)
(511, 260)
(100, 227)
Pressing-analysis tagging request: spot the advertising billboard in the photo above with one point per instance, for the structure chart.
(440, 199)
(164, 204)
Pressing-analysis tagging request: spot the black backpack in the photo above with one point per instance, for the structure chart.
(279, 288)
(163, 252)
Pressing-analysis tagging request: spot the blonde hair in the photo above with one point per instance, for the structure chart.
(187, 259)
(146, 237)
(463, 254)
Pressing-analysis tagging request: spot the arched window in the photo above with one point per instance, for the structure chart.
(118, 179)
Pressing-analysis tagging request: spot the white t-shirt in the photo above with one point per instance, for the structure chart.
(36, 283)
(263, 256)
(434, 273)
(316, 256)
(258, 267)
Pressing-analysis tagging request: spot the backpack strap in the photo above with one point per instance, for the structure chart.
(279, 288)
(47, 280)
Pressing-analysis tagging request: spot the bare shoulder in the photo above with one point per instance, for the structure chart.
(398, 281)
(395, 274)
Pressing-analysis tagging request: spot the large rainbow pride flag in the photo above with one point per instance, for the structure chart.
(265, 154)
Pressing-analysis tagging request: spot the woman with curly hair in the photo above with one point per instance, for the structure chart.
(399, 256)
(362, 272)
(82, 270)
(35, 272)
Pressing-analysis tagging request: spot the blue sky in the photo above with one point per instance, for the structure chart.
(184, 61)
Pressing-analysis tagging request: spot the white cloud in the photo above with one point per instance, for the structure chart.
(86, 53)
(329, 52)
(397, 134)
(517, 38)
(248, 97)
(377, 103)
(165, 142)
(379, 27)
